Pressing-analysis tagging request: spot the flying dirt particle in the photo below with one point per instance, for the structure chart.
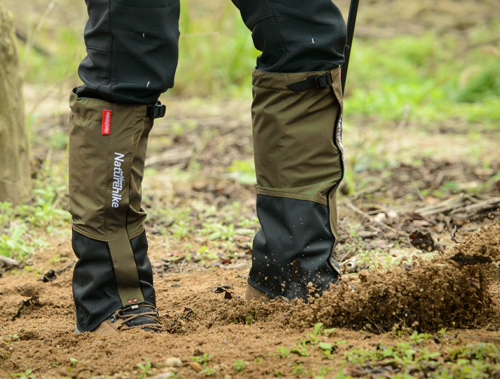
(49, 276)
(425, 242)
(221, 289)
(28, 291)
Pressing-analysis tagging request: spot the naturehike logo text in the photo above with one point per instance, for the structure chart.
(106, 122)
(118, 180)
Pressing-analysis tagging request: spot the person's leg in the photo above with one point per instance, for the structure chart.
(132, 50)
(132, 58)
(297, 116)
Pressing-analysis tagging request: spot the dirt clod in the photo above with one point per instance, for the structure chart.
(432, 294)
(173, 362)
(49, 276)
(195, 366)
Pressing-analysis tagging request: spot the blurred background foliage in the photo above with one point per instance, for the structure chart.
(424, 83)
(434, 69)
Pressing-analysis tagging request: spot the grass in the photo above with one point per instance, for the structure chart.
(409, 356)
(426, 81)
(432, 78)
(27, 227)
(421, 79)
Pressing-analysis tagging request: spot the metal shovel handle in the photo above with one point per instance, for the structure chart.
(351, 25)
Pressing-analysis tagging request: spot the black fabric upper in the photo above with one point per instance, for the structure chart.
(292, 249)
(94, 287)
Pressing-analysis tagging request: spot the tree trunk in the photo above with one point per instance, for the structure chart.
(14, 147)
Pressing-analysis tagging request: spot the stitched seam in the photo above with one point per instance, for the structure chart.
(106, 208)
(108, 178)
(292, 76)
(316, 199)
(259, 20)
(134, 151)
(111, 61)
(318, 62)
(289, 90)
(89, 235)
(98, 49)
(341, 159)
(292, 73)
(329, 206)
(137, 233)
(118, 284)
(279, 34)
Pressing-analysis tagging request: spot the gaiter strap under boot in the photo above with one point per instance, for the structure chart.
(299, 164)
(107, 151)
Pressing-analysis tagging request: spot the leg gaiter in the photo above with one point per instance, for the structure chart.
(107, 150)
(297, 116)
(298, 161)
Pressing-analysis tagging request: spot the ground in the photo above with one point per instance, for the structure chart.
(421, 139)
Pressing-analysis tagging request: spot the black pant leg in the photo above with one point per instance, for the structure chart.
(295, 35)
(132, 50)
(297, 144)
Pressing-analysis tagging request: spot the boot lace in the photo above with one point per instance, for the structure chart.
(150, 318)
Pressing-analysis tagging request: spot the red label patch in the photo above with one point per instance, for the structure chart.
(106, 122)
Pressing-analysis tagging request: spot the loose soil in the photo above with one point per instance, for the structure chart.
(38, 317)
(392, 290)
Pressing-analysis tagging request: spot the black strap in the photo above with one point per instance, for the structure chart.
(313, 82)
(156, 111)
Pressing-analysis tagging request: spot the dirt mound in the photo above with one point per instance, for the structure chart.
(450, 290)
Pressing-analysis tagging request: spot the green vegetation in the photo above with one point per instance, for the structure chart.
(472, 361)
(202, 360)
(73, 362)
(28, 374)
(145, 369)
(430, 78)
(240, 365)
(411, 356)
(421, 79)
(398, 80)
(26, 227)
